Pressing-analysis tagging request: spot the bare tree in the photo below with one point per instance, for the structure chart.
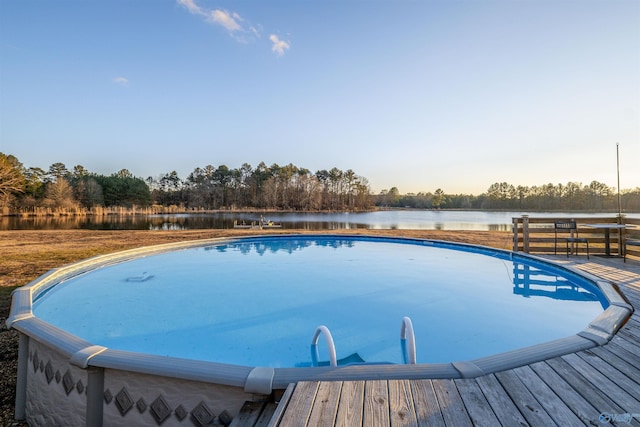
(59, 194)
(12, 180)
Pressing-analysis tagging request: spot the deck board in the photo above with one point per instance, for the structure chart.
(586, 412)
(604, 383)
(557, 409)
(574, 389)
(500, 402)
(325, 407)
(624, 354)
(476, 404)
(451, 404)
(401, 409)
(623, 366)
(629, 333)
(351, 404)
(376, 403)
(620, 342)
(426, 404)
(596, 397)
(524, 400)
(613, 374)
(300, 404)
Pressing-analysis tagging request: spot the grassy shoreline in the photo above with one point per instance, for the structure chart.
(27, 254)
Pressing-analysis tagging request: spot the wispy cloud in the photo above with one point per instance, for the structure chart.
(227, 20)
(192, 7)
(122, 81)
(237, 27)
(230, 21)
(279, 46)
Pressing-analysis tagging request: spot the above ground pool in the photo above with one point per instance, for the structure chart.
(251, 315)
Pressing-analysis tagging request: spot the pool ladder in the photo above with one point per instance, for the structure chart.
(330, 346)
(407, 343)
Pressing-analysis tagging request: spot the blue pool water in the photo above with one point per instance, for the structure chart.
(257, 302)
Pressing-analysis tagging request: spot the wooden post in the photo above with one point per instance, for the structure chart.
(571, 247)
(525, 233)
(515, 234)
(621, 235)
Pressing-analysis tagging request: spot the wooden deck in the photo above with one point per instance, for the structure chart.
(595, 387)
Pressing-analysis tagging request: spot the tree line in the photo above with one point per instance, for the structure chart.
(572, 196)
(264, 187)
(59, 189)
(24, 190)
(289, 187)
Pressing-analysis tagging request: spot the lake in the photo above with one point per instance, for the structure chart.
(387, 219)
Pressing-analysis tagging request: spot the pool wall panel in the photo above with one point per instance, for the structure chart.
(151, 400)
(56, 390)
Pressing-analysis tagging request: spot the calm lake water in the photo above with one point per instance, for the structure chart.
(390, 220)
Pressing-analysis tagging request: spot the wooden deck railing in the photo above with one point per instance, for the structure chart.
(536, 235)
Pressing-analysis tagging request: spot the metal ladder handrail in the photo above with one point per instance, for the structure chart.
(333, 361)
(408, 341)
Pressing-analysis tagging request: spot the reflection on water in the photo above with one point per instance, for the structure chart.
(530, 281)
(89, 222)
(262, 246)
(389, 220)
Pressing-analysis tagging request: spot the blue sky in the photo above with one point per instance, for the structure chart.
(418, 95)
